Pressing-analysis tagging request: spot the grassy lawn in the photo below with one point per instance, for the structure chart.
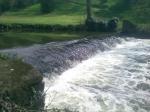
(44, 19)
(68, 13)
(65, 14)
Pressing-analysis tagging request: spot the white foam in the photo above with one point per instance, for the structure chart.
(106, 82)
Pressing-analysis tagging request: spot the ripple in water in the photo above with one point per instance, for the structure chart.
(112, 81)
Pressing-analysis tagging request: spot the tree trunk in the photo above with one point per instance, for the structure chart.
(88, 10)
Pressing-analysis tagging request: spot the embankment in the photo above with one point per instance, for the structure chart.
(20, 86)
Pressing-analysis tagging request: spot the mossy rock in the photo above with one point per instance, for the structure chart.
(129, 27)
(20, 83)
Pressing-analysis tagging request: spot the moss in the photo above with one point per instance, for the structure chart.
(19, 83)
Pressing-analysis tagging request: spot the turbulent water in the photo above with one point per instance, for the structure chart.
(56, 57)
(93, 75)
(112, 81)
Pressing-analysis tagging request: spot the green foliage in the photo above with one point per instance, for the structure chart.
(4, 5)
(102, 26)
(133, 10)
(47, 5)
(139, 12)
(64, 12)
(28, 11)
(112, 24)
(121, 6)
(103, 4)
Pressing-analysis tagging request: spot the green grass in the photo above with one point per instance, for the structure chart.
(29, 11)
(45, 19)
(68, 13)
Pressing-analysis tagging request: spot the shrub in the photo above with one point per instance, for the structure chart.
(112, 24)
(47, 5)
(128, 27)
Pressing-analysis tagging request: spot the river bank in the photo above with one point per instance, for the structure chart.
(20, 86)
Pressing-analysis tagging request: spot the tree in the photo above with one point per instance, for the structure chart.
(47, 6)
(19, 4)
(89, 10)
(122, 5)
(103, 4)
(4, 5)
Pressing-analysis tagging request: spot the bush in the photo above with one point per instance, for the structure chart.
(4, 5)
(112, 24)
(47, 5)
(128, 27)
(102, 26)
(91, 25)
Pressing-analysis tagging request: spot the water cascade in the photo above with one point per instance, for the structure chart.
(93, 75)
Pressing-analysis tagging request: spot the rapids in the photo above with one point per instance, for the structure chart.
(93, 75)
(112, 81)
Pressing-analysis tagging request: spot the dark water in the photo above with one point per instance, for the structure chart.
(58, 56)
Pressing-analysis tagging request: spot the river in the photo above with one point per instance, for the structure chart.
(110, 75)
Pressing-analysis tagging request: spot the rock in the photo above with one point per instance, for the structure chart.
(128, 27)
(112, 24)
(21, 85)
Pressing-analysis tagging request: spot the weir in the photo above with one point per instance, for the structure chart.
(93, 75)
(112, 81)
(56, 57)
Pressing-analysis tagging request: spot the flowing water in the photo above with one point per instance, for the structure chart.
(93, 75)
(112, 81)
